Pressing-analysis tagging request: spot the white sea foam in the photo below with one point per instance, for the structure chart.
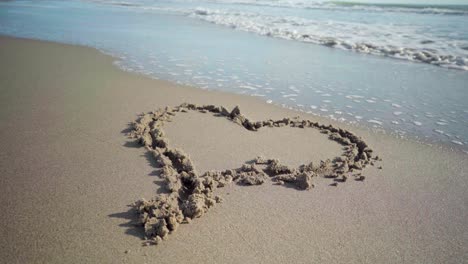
(385, 40)
(350, 6)
(201, 77)
(457, 142)
(293, 88)
(352, 97)
(248, 87)
(375, 122)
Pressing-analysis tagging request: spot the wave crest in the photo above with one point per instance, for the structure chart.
(381, 40)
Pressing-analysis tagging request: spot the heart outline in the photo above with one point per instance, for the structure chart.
(191, 194)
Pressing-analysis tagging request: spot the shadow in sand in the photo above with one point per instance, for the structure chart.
(128, 129)
(151, 160)
(289, 185)
(132, 144)
(133, 227)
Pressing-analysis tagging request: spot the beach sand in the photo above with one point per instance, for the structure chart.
(68, 173)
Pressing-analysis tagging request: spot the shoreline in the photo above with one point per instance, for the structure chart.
(439, 145)
(69, 172)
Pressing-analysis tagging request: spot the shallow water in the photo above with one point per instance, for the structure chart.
(227, 46)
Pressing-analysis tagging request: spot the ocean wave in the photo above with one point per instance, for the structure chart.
(351, 6)
(406, 42)
(461, 10)
(117, 3)
(405, 8)
(385, 40)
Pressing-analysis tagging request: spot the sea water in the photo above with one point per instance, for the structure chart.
(398, 68)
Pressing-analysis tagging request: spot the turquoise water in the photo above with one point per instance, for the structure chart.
(394, 67)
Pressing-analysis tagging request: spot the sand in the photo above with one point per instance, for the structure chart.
(69, 174)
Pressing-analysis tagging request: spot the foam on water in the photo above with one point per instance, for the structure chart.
(372, 121)
(407, 42)
(353, 6)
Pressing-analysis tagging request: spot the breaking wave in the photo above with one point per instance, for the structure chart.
(412, 42)
(352, 6)
(385, 40)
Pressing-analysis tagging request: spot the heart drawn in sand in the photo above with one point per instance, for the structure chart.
(190, 194)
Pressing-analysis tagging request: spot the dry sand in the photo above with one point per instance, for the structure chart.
(67, 174)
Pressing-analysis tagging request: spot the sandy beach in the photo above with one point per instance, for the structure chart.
(68, 173)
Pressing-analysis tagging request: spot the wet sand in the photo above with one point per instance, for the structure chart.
(69, 172)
